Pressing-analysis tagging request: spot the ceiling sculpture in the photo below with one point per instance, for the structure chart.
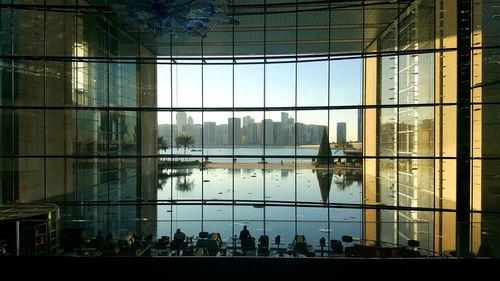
(195, 17)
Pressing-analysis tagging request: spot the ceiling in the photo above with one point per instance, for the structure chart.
(278, 28)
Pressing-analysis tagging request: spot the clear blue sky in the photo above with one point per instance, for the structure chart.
(217, 87)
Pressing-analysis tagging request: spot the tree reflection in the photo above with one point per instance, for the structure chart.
(161, 181)
(325, 182)
(184, 184)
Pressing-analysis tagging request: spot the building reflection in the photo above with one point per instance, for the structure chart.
(325, 182)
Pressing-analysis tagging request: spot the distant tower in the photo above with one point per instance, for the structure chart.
(268, 131)
(209, 133)
(341, 131)
(181, 121)
(284, 119)
(234, 125)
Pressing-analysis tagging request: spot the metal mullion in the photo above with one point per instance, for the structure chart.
(44, 104)
(202, 114)
(288, 108)
(398, 19)
(12, 112)
(171, 135)
(342, 56)
(139, 125)
(328, 121)
(363, 123)
(108, 48)
(295, 147)
(75, 102)
(232, 178)
(264, 108)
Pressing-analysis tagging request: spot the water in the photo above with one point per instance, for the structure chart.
(258, 152)
(257, 184)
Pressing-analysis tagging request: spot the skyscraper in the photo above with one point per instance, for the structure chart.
(181, 121)
(234, 131)
(248, 130)
(341, 132)
(268, 131)
(209, 133)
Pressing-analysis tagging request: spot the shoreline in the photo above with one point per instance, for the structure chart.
(275, 166)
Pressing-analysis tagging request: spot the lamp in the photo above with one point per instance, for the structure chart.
(160, 16)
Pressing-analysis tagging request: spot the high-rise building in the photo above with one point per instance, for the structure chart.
(268, 131)
(209, 133)
(181, 122)
(248, 130)
(341, 132)
(234, 131)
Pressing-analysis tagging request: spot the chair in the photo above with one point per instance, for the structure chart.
(201, 252)
(300, 245)
(346, 239)
(337, 247)
(413, 244)
(263, 247)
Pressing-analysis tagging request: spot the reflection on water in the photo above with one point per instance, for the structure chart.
(268, 185)
(184, 184)
(249, 184)
(325, 182)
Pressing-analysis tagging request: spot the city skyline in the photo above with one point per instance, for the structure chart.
(248, 131)
(242, 86)
(320, 118)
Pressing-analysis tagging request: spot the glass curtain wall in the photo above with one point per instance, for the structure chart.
(290, 122)
(74, 129)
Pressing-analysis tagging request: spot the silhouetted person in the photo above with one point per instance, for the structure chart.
(179, 238)
(100, 243)
(485, 249)
(246, 239)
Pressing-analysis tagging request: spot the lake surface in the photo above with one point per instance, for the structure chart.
(259, 185)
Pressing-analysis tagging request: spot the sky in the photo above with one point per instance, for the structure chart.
(216, 84)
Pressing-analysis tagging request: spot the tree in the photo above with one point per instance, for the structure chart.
(184, 141)
(343, 146)
(162, 143)
(324, 153)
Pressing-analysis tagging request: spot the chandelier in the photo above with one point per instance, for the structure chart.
(195, 17)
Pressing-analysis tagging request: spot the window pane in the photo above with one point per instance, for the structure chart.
(248, 179)
(92, 182)
(218, 86)
(346, 81)
(123, 179)
(280, 179)
(92, 132)
(60, 176)
(312, 83)
(30, 136)
(31, 179)
(60, 132)
(249, 85)
(280, 84)
(186, 82)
